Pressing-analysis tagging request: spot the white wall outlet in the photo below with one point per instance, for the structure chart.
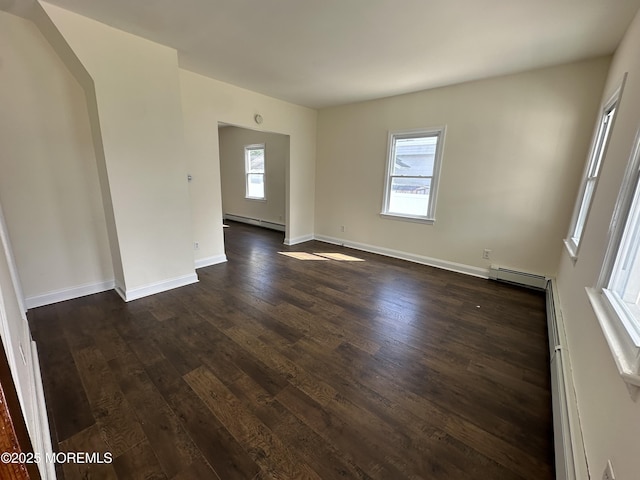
(486, 254)
(196, 245)
(343, 228)
(608, 472)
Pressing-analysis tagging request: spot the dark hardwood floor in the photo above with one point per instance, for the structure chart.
(277, 367)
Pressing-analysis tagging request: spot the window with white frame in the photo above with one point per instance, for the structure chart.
(413, 167)
(616, 297)
(254, 161)
(590, 179)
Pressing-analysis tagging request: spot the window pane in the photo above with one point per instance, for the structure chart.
(603, 138)
(625, 279)
(410, 196)
(256, 160)
(255, 185)
(414, 156)
(584, 206)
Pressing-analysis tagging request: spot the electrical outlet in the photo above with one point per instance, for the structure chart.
(486, 254)
(608, 472)
(196, 245)
(342, 228)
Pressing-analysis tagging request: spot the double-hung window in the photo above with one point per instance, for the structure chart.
(413, 168)
(254, 161)
(616, 297)
(590, 179)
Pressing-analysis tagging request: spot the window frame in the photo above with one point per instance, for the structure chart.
(591, 174)
(248, 172)
(430, 216)
(620, 327)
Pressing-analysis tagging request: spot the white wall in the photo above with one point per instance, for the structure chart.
(138, 98)
(232, 142)
(609, 418)
(207, 102)
(49, 187)
(513, 153)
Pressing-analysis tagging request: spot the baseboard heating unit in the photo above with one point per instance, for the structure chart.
(525, 279)
(570, 458)
(255, 221)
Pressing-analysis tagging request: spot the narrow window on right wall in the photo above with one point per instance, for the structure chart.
(616, 296)
(590, 179)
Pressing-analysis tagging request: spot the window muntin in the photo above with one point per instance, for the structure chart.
(254, 167)
(590, 180)
(413, 166)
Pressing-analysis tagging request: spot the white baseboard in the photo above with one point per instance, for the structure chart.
(297, 240)
(411, 257)
(208, 261)
(157, 287)
(68, 293)
(42, 441)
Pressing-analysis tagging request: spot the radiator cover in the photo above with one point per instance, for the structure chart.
(525, 279)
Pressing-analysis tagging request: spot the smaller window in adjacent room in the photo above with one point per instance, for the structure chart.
(413, 167)
(616, 298)
(254, 171)
(590, 179)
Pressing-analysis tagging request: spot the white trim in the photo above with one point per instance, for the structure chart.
(43, 436)
(438, 132)
(571, 249)
(61, 295)
(408, 218)
(411, 257)
(208, 261)
(13, 269)
(120, 289)
(613, 101)
(247, 172)
(158, 287)
(624, 353)
(297, 240)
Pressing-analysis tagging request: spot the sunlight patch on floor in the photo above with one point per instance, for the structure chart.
(302, 256)
(341, 257)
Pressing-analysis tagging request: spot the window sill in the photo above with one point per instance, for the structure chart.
(408, 218)
(572, 249)
(624, 350)
(253, 199)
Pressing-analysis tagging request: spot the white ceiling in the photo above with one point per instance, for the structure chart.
(327, 52)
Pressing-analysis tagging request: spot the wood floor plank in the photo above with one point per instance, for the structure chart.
(118, 423)
(89, 440)
(219, 448)
(266, 449)
(139, 462)
(169, 441)
(271, 367)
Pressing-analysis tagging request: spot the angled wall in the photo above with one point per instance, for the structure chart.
(140, 120)
(49, 187)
